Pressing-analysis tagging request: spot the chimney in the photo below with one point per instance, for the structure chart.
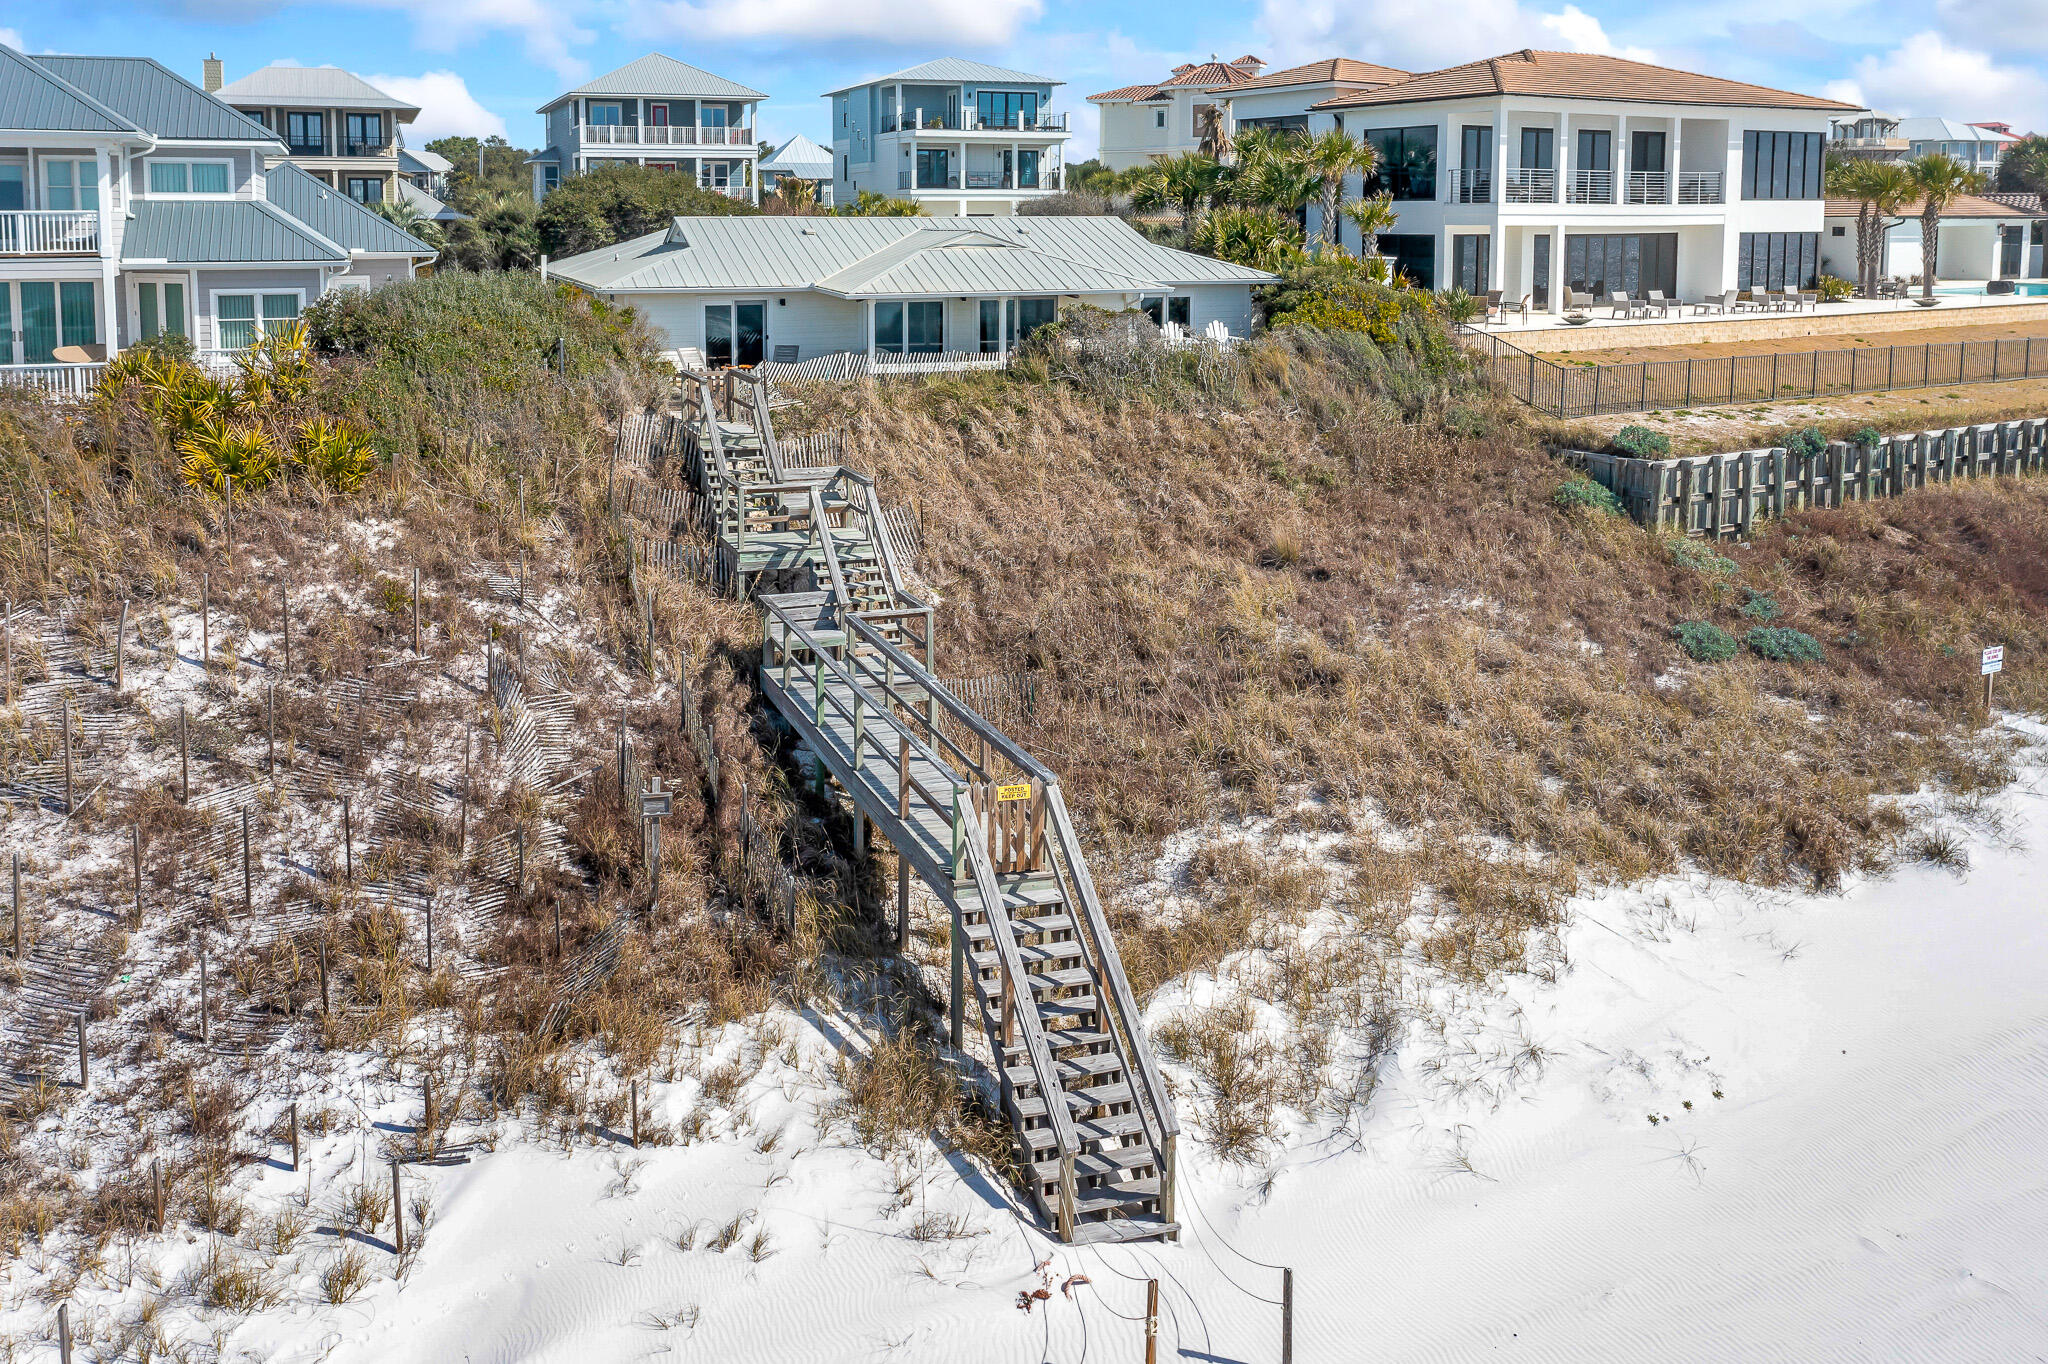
(1250, 65)
(213, 78)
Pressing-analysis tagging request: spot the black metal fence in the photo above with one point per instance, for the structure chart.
(1586, 390)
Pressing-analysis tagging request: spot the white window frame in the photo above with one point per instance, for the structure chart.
(258, 293)
(136, 283)
(90, 165)
(149, 192)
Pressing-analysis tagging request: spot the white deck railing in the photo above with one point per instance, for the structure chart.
(665, 135)
(1699, 187)
(1532, 185)
(1592, 187)
(49, 231)
(63, 381)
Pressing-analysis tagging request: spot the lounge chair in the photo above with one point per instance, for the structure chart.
(1809, 299)
(1493, 304)
(1523, 307)
(1712, 303)
(1622, 305)
(1658, 304)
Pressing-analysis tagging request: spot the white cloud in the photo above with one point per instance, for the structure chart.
(1929, 75)
(2019, 24)
(1421, 35)
(446, 107)
(804, 23)
(547, 28)
(1849, 92)
(11, 37)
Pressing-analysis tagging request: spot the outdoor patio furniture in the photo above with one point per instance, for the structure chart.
(1712, 303)
(1522, 308)
(1657, 303)
(1622, 304)
(1809, 299)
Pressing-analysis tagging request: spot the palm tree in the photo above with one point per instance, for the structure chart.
(1371, 217)
(1332, 157)
(798, 196)
(2023, 169)
(1257, 237)
(1185, 183)
(408, 218)
(1940, 180)
(1880, 189)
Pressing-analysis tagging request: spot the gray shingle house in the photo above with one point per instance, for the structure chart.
(746, 289)
(656, 112)
(132, 203)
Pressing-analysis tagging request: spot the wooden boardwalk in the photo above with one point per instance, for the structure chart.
(850, 664)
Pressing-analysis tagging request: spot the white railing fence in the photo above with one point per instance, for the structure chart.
(1532, 185)
(1592, 187)
(1475, 185)
(1699, 187)
(1649, 187)
(49, 231)
(665, 135)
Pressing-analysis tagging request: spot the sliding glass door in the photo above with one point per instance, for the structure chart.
(735, 334)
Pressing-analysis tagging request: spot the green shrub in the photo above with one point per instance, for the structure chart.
(1833, 289)
(1704, 641)
(1581, 491)
(1701, 557)
(1867, 435)
(1783, 644)
(1761, 606)
(620, 202)
(1640, 442)
(1809, 440)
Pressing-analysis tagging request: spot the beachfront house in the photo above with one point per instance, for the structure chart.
(1202, 107)
(655, 112)
(1981, 239)
(335, 126)
(799, 159)
(133, 204)
(1551, 174)
(741, 290)
(957, 137)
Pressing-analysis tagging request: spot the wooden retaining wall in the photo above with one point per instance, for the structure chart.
(1723, 495)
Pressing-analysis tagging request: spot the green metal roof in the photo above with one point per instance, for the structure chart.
(222, 232)
(156, 99)
(337, 217)
(659, 76)
(34, 99)
(321, 86)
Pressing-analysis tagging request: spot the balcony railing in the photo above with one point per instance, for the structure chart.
(49, 232)
(1475, 185)
(1531, 185)
(665, 135)
(729, 191)
(368, 149)
(1591, 187)
(1649, 187)
(1048, 181)
(970, 121)
(306, 148)
(1699, 187)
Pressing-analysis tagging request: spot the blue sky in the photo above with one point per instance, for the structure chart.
(483, 66)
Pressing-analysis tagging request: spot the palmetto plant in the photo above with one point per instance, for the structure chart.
(1333, 157)
(1372, 217)
(336, 455)
(798, 196)
(279, 367)
(408, 218)
(1186, 183)
(218, 451)
(1257, 237)
(1940, 180)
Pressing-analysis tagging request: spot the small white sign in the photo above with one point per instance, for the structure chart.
(1994, 660)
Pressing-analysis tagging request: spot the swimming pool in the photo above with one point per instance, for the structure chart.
(2024, 289)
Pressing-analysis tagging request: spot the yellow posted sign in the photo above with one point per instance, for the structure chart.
(1021, 791)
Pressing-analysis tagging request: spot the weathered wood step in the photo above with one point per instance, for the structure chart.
(1031, 953)
(1149, 1227)
(1064, 1040)
(1110, 1130)
(1071, 1067)
(1114, 1162)
(1040, 982)
(978, 932)
(1078, 1100)
(1108, 1198)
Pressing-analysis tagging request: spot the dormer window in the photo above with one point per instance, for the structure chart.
(189, 177)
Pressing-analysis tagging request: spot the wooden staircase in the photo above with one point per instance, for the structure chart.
(850, 665)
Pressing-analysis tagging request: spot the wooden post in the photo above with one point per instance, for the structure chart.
(397, 1210)
(67, 753)
(902, 902)
(427, 1119)
(633, 1091)
(348, 843)
(416, 611)
(270, 729)
(522, 580)
(120, 649)
(957, 1010)
(248, 886)
(64, 1333)
(205, 1026)
(184, 758)
(7, 646)
(84, 1070)
(1151, 1321)
(1286, 1316)
(295, 1138)
(135, 846)
(17, 906)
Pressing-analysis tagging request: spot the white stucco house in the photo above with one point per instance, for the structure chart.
(745, 289)
(1981, 238)
(1537, 172)
(1159, 119)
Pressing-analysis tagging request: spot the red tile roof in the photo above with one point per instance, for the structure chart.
(1330, 71)
(1580, 75)
(1210, 75)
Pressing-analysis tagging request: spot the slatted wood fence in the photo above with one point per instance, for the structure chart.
(1724, 495)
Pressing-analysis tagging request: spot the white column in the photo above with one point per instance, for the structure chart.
(1558, 281)
(1496, 266)
(110, 305)
(1567, 157)
(871, 330)
(1620, 161)
(1003, 330)
(1016, 168)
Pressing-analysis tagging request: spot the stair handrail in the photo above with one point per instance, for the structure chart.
(842, 603)
(757, 400)
(959, 709)
(878, 531)
(1112, 961)
(1043, 1071)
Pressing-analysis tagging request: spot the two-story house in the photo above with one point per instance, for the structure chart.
(655, 112)
(423, 183)
(133, 204)
(1868, 134)
(1538, 172)
(958, 137)
(1202, 106)
(1976, 145)
(335, 126)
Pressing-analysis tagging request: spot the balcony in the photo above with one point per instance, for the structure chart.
(1649, 187)
(1591, 187)
(1531, 185)
(50, 232)
(969, 121)
(306, 148)
(1699, 187)
(368, 149)
(1048, 181)
(729, 191)
(664, 135)
(1475, 185)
